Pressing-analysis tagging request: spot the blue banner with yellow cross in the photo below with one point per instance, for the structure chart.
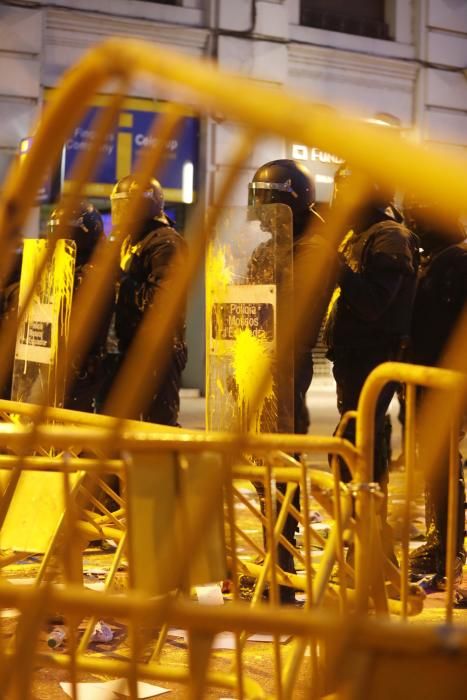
(121, 148)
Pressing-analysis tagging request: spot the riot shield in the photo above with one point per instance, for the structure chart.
(249, 302)
(42, 335)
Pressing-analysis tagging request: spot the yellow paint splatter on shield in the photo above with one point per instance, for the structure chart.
(251, 362)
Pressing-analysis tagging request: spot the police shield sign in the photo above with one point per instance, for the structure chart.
(41, 341)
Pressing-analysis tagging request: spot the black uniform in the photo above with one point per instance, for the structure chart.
(81, 222)
(370, 319)
(440, 298)
(147, 262)
(88, 375)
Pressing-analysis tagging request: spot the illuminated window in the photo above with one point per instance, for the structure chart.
(361, 17)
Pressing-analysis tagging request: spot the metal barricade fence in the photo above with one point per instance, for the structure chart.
(161, 564)
(450, 384)
(316, 579)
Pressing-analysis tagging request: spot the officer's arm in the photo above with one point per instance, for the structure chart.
(370, 294)
(165, 261)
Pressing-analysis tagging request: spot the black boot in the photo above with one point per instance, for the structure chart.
(429, 561)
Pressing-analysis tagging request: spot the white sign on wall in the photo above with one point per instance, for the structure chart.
(322, 166)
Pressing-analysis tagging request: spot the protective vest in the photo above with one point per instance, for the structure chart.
(382, 260)
(440, 298)
(144, 268)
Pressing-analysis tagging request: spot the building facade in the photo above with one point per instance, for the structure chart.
(403, 61)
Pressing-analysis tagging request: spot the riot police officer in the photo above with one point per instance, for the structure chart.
(369, 320)
(289, 182)
(152, 246)
(440, 297)
(84, 225)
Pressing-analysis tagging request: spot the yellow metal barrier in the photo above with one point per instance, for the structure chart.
(165, 543)
(451, 383)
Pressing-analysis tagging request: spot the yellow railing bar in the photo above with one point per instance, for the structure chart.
(434, 378)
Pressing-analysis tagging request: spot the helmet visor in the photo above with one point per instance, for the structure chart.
(118, 207)
(66, 227)
(120, 202)
(268, 192)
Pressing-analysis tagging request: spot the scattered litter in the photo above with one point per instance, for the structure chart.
(56, 637)
(111, 690)
(96, 571)
(226, 640)
(223, 640)
(101, 633)
(143, 689)
(226, 587)
(88, 691)
(283, 638)
(247, 491)
(95, 585)
(210, 594)
(315, 516)
(460, 598)
(109, 544)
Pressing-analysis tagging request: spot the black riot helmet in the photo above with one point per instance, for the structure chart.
(434, 227)
(83, 224)
(374, 195)
(149, 201)
(287, 182)
(375, 199)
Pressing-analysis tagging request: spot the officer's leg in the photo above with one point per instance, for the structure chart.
(302, 381)
(284, 558)
(82, 396)
(350, 373)
(303, 377)
(109, 371)
(381, 466)
(165, 404)
(382, 449)
(349, 382)
(431, 558)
